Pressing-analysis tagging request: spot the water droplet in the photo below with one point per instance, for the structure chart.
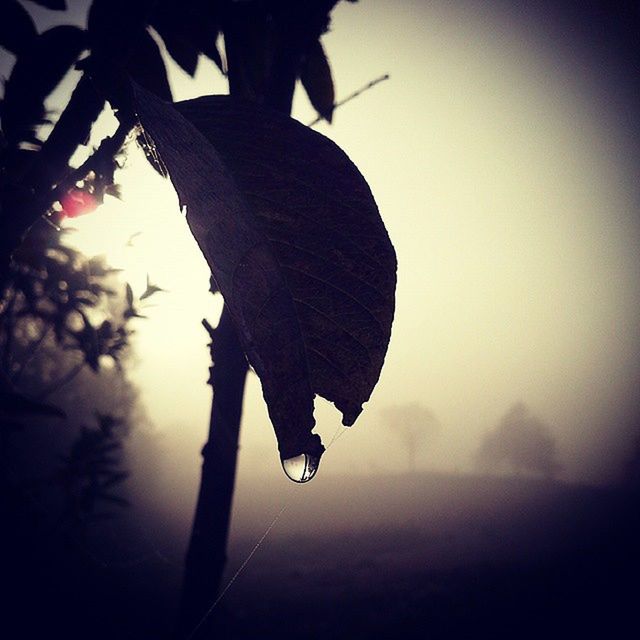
(301, 468)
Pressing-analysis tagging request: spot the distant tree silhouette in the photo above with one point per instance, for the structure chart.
(413, 425)
(520, 441)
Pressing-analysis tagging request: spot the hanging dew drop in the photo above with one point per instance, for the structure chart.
(301, 468)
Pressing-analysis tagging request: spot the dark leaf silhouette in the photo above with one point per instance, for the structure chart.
(129, 295)
(57, 5)
(316, 79)
(201, 21)
(113, 26)
(296, 244)
(130, 311)
(119, 38)
(187, 30)
(151, 289)
(35, 75)
(146, 66)
(17, 30)
(97, 266)
(180, 47)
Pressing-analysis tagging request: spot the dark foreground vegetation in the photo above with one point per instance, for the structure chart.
(428, 556)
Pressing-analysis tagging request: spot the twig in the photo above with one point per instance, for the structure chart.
(353, 95)
(207, 325)
(107, 149)
(73, 126)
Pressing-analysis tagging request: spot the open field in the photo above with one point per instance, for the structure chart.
(429, 556)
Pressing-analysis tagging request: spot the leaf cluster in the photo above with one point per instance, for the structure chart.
(92, 470)
(56, 287)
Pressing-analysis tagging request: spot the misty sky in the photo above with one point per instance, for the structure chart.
(505, 171)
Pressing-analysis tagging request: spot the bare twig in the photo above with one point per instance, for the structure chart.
(207, 325)
(353, 95)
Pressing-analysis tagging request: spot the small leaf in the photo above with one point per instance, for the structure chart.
(316, 79)
(129, 295)
(151, 289)
(201, 25)
(188, 29)
(180, 48)
(146, 66)
(296, 244)
(17, 30)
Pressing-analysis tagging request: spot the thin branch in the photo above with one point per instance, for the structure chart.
(207, 325)
(71, 129)
(106, 151)
(353, 95)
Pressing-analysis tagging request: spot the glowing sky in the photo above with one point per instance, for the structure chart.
(503, 170)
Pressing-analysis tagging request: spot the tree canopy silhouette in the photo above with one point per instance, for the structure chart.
(522, 441)
(413, 424)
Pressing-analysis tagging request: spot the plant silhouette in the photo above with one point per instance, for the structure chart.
(287, 223)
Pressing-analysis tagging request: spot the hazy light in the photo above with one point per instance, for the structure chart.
(506, 183)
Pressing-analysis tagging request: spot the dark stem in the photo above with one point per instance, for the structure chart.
(247, 38)
(206, 555)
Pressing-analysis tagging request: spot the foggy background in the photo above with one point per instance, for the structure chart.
(503, 156)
